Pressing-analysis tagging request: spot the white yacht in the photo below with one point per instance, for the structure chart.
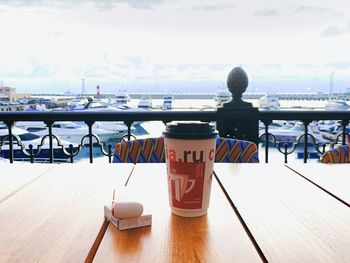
(28, 138)
(327, 125)
(77, 103)
(269, 102)
(167, 102)
(122, 99)
(288, 134)
(114, 126)
(222, 96)
(74, 132)
(332, 130)
(98, 106)
(35, 108)
(334, 105)
(145, 103)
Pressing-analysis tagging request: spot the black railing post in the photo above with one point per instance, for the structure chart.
(237, 118)
(267, 123)
(31, 154)
(91, 150)
(285, 153)
(266, 143)
(49, 125)
(71, 153)
(110, 153)
(128, 124)
(306, 123)
(344, 123)
(9, 125)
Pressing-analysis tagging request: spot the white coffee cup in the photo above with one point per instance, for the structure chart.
(189, 154)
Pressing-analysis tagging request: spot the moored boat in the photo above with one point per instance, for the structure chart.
(222, 96)
(269, 102)
(145, 103)
(335, 105)
(41, 148)
(167, 102)
(74, 132)
(122, 99)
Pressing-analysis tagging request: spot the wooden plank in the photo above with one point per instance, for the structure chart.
(216, 237)
(332, 178)
(291, 219)
(59, 217)
(14, 177)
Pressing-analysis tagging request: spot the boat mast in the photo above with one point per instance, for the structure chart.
(331, 85)
(83, 91)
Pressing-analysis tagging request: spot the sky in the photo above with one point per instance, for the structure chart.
(174, 45)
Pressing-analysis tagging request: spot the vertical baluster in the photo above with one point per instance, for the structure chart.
(91, 153)
(266, 142)
(90, 143)
(9, 126)
(31, 154)
(110, 153)
(51, 143)
(128, 123)
(305, 140)
(129, 132)
(343, 123)
(285, 153)
(71, 152)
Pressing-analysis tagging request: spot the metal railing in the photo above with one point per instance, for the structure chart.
(89, 118)
(130, 117)
(306, 117)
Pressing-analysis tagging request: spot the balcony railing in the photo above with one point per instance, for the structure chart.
(305, 138)
(91, 139)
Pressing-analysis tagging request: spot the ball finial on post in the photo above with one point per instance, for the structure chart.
(237, 83)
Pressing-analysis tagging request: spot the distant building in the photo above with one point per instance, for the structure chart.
(12, 95)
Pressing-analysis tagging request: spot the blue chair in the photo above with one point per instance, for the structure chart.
(151, 150)
(340, 154)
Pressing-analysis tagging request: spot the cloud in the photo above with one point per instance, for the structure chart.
(335, 30)
(323, 12)
(137, 62)
(338, 65)
(272, 65)
(142, 4)
(183, 67)
(216, 7)
(100, 4)
(54, 34)
(268, 12)
(313, 9)
(40, 3)
(219, 66)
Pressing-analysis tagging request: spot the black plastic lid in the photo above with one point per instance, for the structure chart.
(190, 130)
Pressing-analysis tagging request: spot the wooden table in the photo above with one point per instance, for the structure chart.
(333, 179)
(291, 219)
(258, 212)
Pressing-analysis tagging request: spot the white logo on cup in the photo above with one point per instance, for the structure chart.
(181, 185)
